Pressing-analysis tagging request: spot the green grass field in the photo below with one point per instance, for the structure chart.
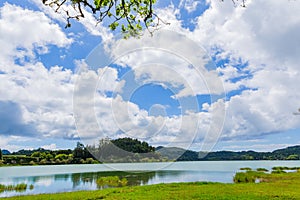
(274, 186)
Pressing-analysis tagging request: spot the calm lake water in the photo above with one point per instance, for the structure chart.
(65, 178)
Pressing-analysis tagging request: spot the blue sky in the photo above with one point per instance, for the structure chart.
(219, 77)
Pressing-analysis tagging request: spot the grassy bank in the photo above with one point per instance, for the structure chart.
(273, 186)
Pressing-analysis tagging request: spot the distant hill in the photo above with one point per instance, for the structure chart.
(5, 152)
(172, 153)
(286, 152)
(29, 152)
(179, 154)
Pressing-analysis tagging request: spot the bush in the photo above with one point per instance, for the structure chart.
(242, 177)
(32, 163)
(61, 157)
(262, 170)
(247, 177)
(89, 161)
(246, 168)
(280, 168)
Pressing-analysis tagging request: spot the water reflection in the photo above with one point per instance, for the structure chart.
(49, 179)
(82, 181)
(132, 178)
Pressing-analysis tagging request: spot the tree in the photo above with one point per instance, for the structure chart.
(61, 157)
(0, 154)
(133, 145)
(36, 154)
(131, 15)
(81, 152)
(293, 157)
(78, 152)
(134, 15)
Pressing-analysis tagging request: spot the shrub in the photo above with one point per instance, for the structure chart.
(89, 161)
(246, 168)
(262, 170)
(32, 163)
(247, 177)
(61, 157)
(280, 168)
(242, 177)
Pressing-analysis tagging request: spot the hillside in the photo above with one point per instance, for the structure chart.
(179, 154)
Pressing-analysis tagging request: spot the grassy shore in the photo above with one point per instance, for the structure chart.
(273, 186)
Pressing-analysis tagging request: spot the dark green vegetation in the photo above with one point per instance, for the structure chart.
(133, 145)
(289, 153)
(118, 150)
(262, 170)
(0, 154)
(133, 150)
(260, 175)
(125, 150)
(40, 156)
(271, 186)
(19, 187)
(246, 168)
(285, 168)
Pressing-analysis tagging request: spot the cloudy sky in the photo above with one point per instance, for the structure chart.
(219, 77)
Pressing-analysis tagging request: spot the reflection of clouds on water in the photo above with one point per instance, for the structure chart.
(45, 181)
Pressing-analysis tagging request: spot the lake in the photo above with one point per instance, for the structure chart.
(66, 178)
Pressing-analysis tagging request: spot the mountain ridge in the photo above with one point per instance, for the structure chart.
(180, 154)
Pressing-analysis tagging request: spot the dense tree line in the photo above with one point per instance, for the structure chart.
(133, 150)
(124, 150)
(289, 153)
(41, 156)
(133, 145)
(108, 150)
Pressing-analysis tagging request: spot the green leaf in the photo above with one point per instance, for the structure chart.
(97, 3)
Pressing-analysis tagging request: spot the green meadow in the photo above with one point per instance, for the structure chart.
(250, 184)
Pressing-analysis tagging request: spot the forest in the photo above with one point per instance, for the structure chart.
(132, 150)
(108, 150)
(289, 153)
